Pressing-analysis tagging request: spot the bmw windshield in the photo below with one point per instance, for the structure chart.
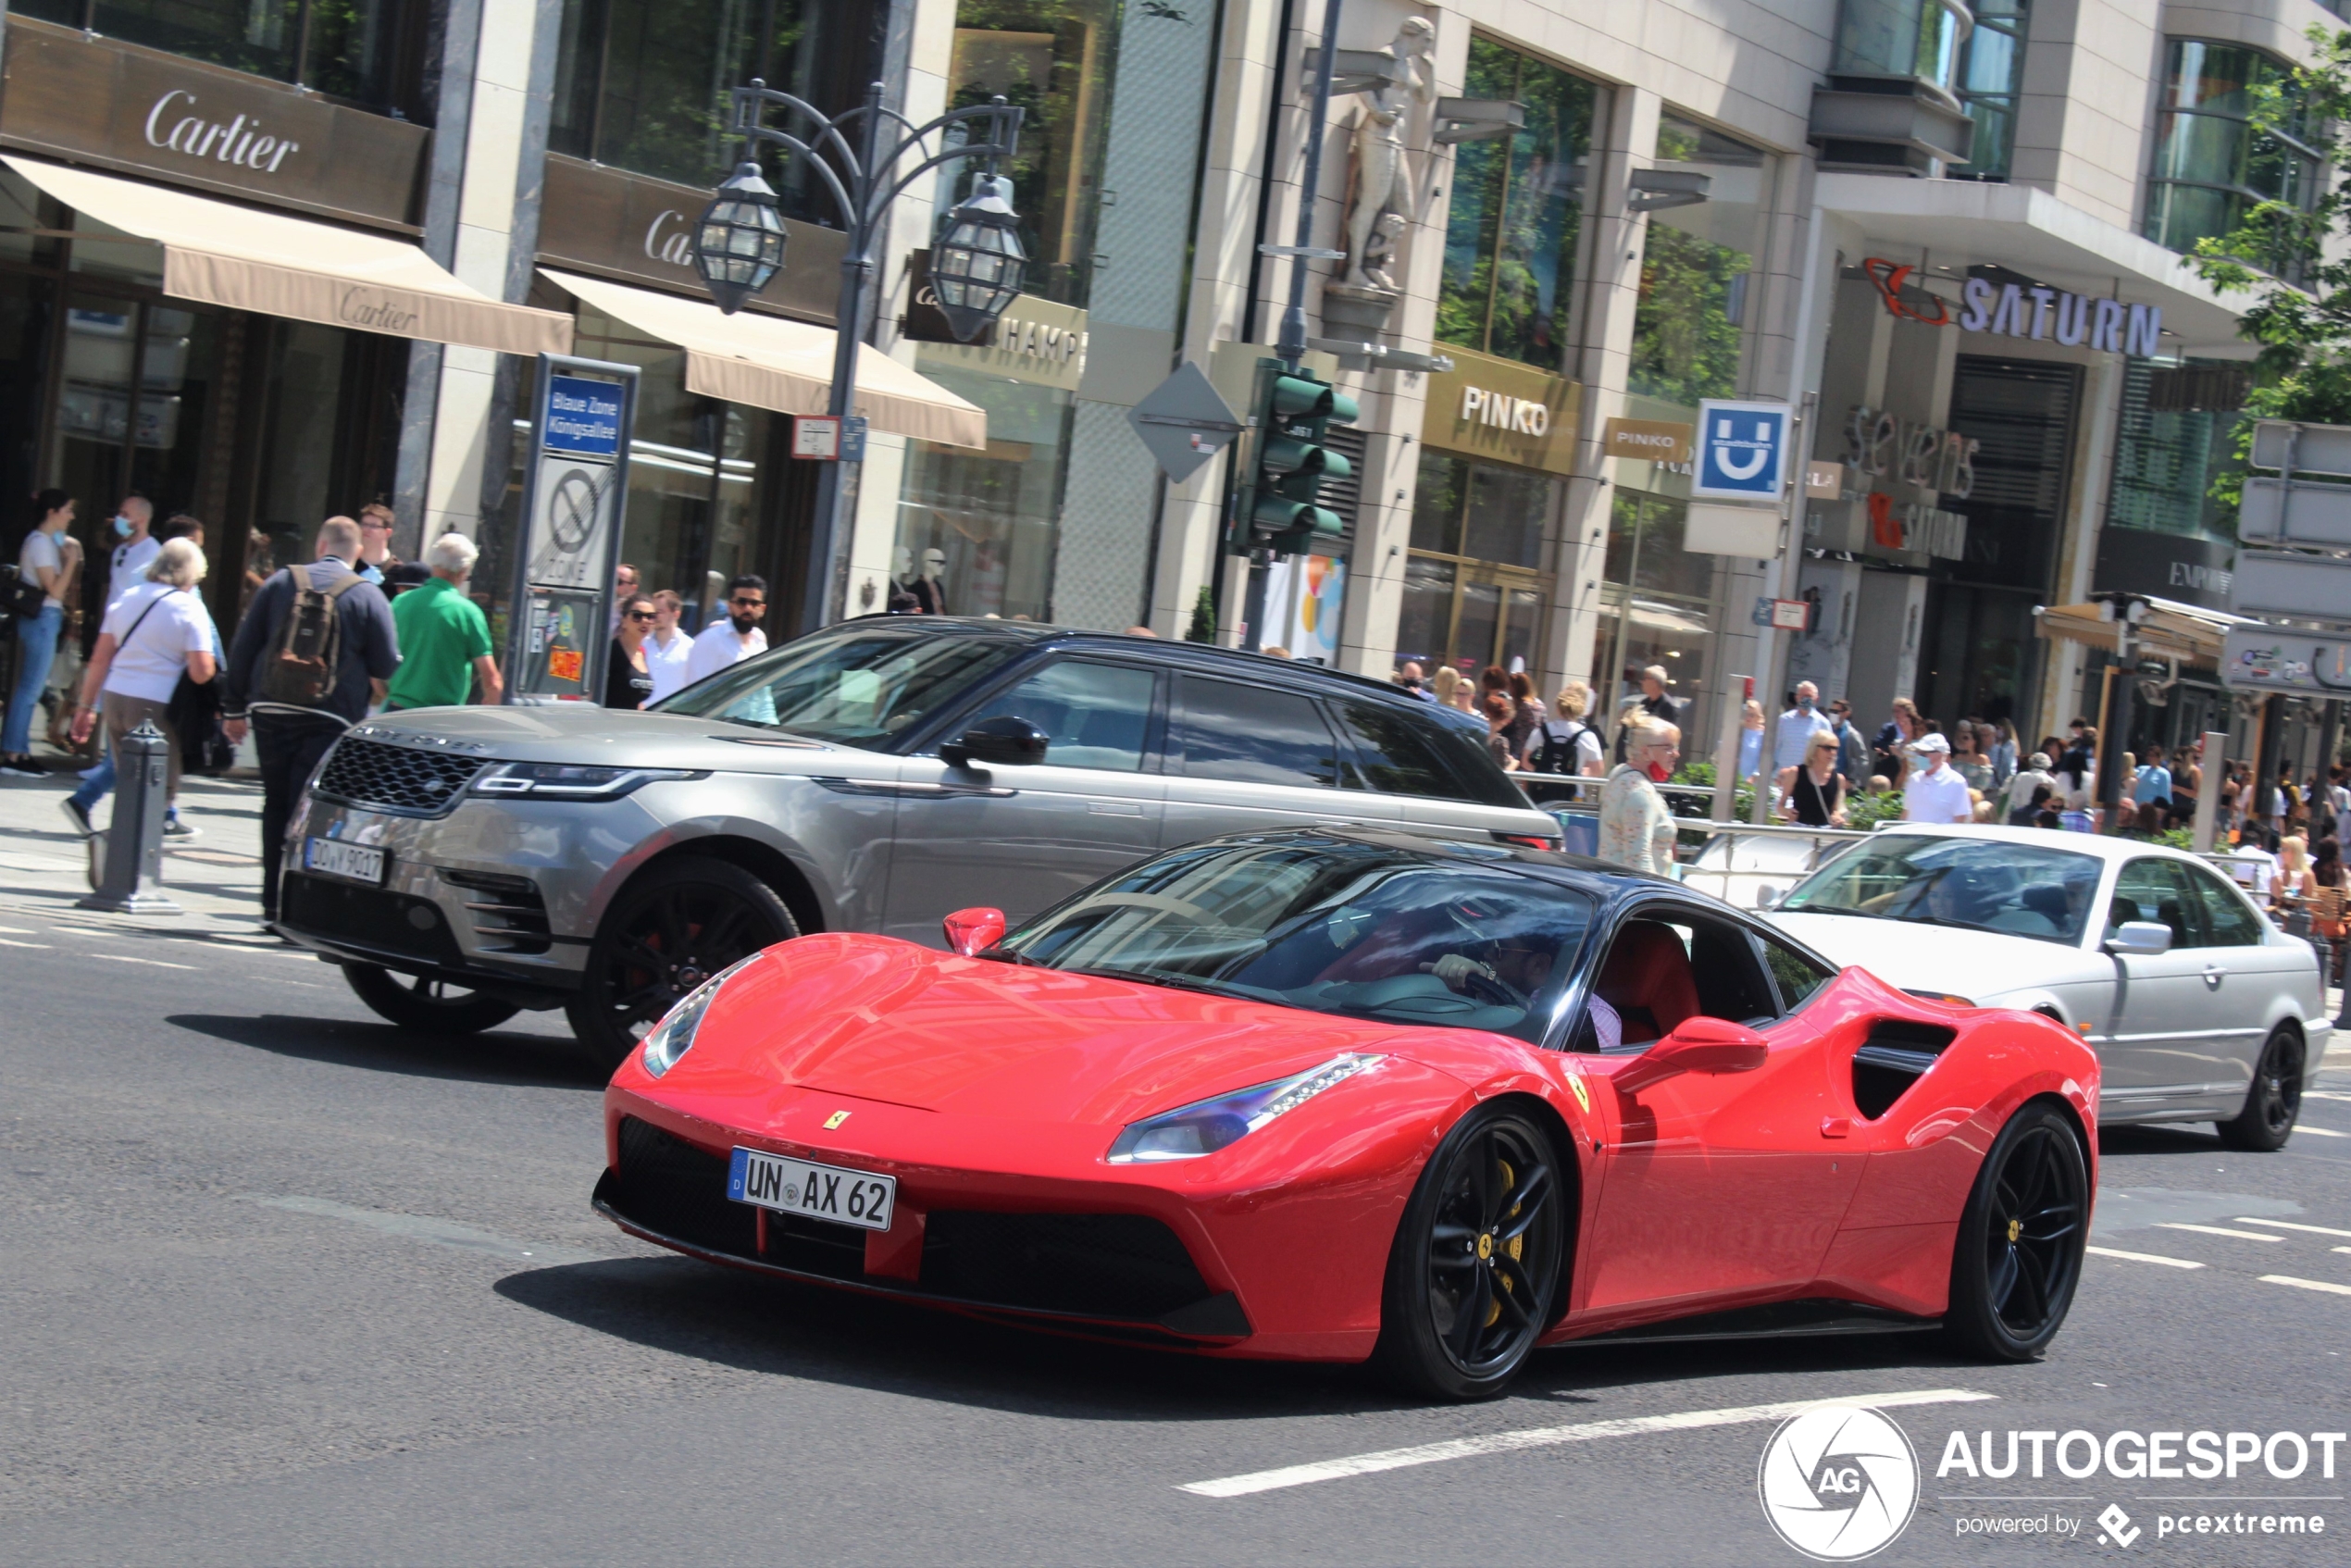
(858, 689)
(2018, 890)
(1330, 924)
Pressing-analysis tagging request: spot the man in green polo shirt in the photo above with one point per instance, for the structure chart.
(444, 637)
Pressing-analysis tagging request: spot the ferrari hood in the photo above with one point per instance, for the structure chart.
(881, 1019)
(1981, 965)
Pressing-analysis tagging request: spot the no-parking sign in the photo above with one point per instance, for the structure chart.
(1742, 451)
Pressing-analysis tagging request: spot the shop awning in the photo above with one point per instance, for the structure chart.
(2187, 632)
(273, 263)
(768, 361)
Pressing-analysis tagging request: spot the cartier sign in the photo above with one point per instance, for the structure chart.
(114, 105)
(634, 229)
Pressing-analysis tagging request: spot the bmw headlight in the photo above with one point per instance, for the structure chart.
(569, 781)
(674, 1036)
(1190, 1131)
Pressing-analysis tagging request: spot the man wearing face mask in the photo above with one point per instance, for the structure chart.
(135, 547)
(737, 635)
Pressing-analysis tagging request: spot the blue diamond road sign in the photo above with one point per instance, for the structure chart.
(1742, 451)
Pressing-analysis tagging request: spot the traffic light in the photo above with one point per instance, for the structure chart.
(1279, 509)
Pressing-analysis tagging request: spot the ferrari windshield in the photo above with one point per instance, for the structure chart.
(1331, 925)
(858, 690)
(2020, 890)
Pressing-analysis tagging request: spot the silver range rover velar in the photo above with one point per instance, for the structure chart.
(462, 864)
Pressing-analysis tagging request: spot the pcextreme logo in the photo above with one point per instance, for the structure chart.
(1838, 1483)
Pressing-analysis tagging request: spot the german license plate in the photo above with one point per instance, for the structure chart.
(815, 1192)
(336, 857)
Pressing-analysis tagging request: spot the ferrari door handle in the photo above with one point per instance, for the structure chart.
(1835, 1126)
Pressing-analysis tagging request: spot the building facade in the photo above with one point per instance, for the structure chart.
(1949, 239)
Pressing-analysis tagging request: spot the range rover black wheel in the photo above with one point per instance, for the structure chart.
(1471, 1274)
(667, 932)
(2018, 1254)
(427, 1006)
(2274, 1103)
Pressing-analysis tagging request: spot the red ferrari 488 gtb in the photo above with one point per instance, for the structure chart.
(1345, 1095)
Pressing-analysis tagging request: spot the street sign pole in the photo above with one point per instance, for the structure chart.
(575, 498)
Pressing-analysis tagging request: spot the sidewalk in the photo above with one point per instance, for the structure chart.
(216, 878)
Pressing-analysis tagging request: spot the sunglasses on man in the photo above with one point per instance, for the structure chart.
(741, 604)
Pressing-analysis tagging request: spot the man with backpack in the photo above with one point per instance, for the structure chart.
(316, 646)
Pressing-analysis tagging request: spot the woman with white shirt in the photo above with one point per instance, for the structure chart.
(668, 647)
(155, 632)
(41, 562)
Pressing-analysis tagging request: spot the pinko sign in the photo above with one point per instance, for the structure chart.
(2036, 313)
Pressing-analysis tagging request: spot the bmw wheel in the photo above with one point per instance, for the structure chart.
(427, 1006)
(2019, 1255)
(1476, 1264)
(2274, 1103)
(667, 932)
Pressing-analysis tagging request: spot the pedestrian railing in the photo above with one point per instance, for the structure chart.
(1746, 864)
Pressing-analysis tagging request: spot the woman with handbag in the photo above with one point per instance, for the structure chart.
(155, 633)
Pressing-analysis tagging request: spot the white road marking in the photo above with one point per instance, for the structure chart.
(2289, 1225)
(2306, 1284)
(2323, 1094)
(19, 931)
(2319, 1132)
(151, 962)
(1546, 1437)
(43, 947)
(2141, 1257)
(425, 1227)
(2216, 1230)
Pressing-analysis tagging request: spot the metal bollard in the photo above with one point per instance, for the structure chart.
(134, 835)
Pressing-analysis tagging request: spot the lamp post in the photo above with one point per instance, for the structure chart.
(976, 266)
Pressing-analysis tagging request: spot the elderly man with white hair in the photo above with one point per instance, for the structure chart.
(444, 637)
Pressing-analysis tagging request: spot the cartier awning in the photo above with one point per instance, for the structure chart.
(273, 263)
(768, 362)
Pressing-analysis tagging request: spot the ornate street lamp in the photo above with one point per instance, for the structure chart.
(975, 268)
(739, 246)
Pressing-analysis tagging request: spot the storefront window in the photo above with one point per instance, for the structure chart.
(2174, 438)
(1054, 61)
(2211, 166)
(643, 85)
(1516, 214)
(1991, 81)
(982, 524)
(1697, 263)
(1472, 597)
(1656, 607)
(364, 51)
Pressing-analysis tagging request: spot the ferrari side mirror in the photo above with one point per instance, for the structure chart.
(1006, 740)
(1700, 1044)
(971, 930)
(2139, 939)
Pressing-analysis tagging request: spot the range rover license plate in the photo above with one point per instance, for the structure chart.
(352, 863)
(817, 1193)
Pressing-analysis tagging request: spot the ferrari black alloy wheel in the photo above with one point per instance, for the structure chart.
(2274, 1103)
(1476, 1260)
(427, 1006)
(2019, 1249)
(667, 932)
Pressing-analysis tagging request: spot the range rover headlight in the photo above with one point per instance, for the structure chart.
(1203, 1128)
(674, 1036)
(549, 780)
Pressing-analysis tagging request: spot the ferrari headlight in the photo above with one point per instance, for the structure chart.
(1190, 1131)
(674, 1036)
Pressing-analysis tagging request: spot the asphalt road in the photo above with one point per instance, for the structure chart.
(281, 1284)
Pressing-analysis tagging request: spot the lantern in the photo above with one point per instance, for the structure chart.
(976, 266)
(738, 244)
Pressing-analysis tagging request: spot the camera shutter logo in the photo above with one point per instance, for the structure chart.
(1838, 1483)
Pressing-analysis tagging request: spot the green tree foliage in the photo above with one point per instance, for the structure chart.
(2301, 314)
(1685, 345)
(1203, 627)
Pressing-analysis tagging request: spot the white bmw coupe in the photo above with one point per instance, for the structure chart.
(2199, 1009)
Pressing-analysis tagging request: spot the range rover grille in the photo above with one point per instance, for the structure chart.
(409, 780)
